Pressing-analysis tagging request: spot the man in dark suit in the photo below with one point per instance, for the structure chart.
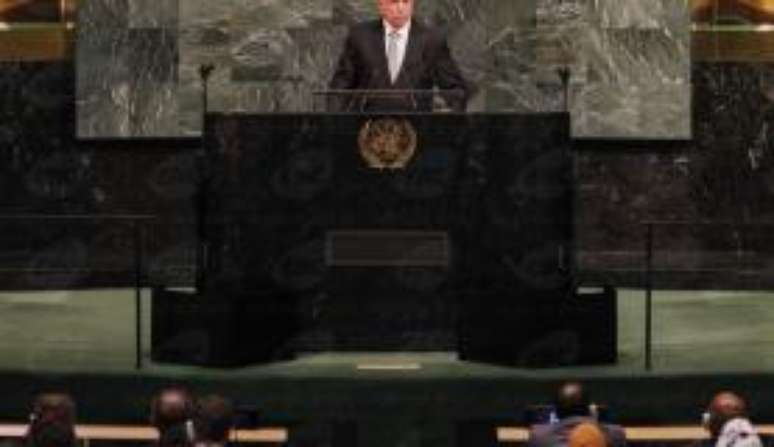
(573, 408)
(213, 421)
(52, 422)
(396, 53)
(171, 407)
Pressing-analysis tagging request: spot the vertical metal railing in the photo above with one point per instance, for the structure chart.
(740, 264)
(649, 298)
(138, 222)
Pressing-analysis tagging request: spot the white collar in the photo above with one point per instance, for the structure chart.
(403, 32)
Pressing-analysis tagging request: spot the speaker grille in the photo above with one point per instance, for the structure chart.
(387, 248)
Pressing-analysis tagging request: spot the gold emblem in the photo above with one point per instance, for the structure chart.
(387, 143)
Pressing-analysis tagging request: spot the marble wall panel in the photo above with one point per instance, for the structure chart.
(635, 69)
(127, 83)
(347, 12)
(104, 83)
(260, 97)
(470, 40)
(613, 201)
(736, 163)
(37, 172)
(37, 111)
(725, 173)
(506, 15)
(591, 107)
(526, 70)
(127, 60)
(552, 13)
(194, 14)
(44, 170)
(204, 37)
(630, 56)
(280, 14)
(153, 82)
(154, 110)
(152, 54)
(643, 108)
(640, 14)
(205, 43)
(509, 51)
(262, 54)
(318, 52)
(154, 13)
(96, 14)
(665, 111)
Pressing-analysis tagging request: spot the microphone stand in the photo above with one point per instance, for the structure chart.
(564, 75)
(364, 98)
(203, 190)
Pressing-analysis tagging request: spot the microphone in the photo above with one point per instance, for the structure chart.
(411, 84)
(564, 75)
(205, 70)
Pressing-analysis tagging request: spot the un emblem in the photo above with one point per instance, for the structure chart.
(387, 143)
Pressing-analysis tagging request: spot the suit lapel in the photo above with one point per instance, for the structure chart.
(381, 58)
(413, 53)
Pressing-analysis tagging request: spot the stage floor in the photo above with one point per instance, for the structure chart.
(84, 342)
(94, 331)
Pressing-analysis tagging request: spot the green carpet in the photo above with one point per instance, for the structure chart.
(94, 331)
(84, 342)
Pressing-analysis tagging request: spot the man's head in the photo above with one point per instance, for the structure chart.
(53, 407)
(172, 406)
(724, 407)
(571, 400)
(214, 419)
(396, 12)
(586, 435)
(52, 421)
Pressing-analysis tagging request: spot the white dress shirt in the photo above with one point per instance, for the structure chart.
(403, 34)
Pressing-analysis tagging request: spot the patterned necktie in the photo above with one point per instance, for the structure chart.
(392, 55)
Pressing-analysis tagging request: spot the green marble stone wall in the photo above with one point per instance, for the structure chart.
(138, 60)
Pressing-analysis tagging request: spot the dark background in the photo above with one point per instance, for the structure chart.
(723, 174)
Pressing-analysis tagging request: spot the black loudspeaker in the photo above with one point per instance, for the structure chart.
(520, 258)
(514, 329)
(541, 329)
(591, 315)
(222, 329)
